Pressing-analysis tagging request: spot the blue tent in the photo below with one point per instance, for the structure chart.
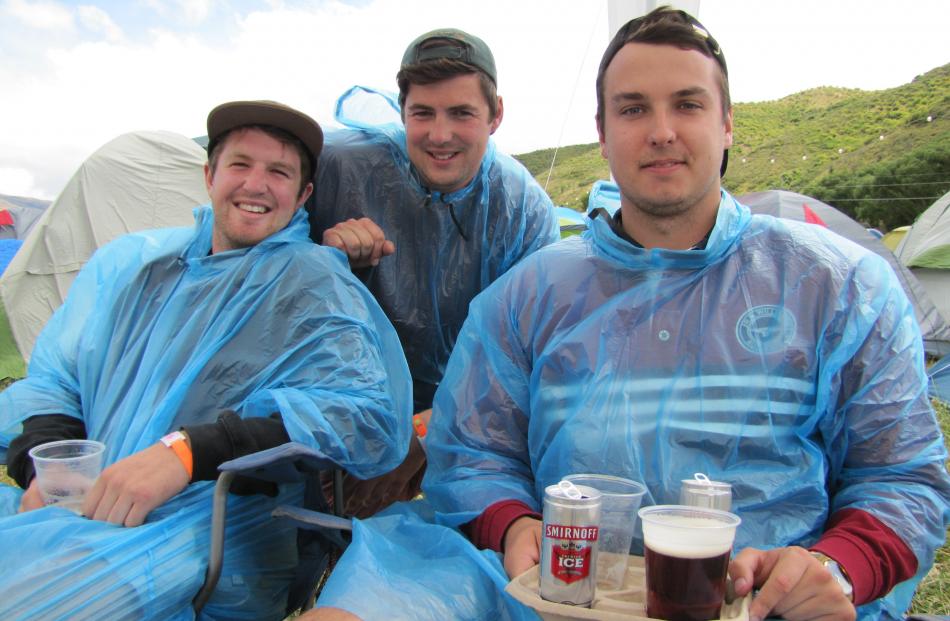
(939, 375)
(8, 248)
(571, 222)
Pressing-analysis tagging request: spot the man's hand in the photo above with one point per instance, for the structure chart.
(365, 498)
(424, 416)
(792, 584)
(31, 498)
(522, 546)
(129, 489)
(362, 241)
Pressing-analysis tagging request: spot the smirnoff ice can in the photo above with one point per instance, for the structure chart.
(569, 543)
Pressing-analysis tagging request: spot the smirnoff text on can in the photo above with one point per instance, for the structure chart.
(569, 543)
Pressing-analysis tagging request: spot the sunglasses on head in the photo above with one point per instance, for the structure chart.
(631, 27)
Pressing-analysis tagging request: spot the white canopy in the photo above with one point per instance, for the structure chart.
(138, 181)
(925, 249)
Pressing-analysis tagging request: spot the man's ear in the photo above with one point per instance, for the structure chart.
(728, 129)
(209, 177)
(497, 120)
(307, 191)
(600, 136)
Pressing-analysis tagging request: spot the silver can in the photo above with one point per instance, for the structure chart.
(569, 543)
(701, 492)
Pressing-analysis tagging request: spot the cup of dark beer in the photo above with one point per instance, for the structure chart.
(686, 555)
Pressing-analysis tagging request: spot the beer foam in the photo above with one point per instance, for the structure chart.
(683, 551)
(688, 536)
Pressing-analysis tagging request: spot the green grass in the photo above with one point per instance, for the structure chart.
(933, 594)
(3, 469)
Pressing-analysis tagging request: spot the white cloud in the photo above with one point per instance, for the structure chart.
(195, 11)
(190, 12)
(63, 97)
(18, 182)
(41, 15)
(775, 48)
(97, 20)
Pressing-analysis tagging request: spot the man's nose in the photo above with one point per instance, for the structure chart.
(662, 132)
(255, 181)
(440, 132)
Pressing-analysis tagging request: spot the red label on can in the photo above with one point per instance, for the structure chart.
(570, 563)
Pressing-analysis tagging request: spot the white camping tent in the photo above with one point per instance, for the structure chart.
(138, 181)
(925, 249)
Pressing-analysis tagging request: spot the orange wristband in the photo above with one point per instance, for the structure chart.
(177, 442)
(419, 425)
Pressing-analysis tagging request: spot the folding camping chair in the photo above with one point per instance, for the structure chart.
(319, 533)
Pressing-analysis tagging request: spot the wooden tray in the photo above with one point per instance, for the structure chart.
(625, 604)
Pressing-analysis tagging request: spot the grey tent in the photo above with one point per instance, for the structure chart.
(142, 180)
(803, 208)
(18, 214)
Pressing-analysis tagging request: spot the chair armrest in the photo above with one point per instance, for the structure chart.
(216, 552)
(288, 463)
(292, 462)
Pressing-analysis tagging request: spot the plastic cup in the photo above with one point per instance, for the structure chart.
(66, 470)
(686, 555)
(620, 500)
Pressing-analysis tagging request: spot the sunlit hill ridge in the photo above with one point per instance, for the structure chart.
(880, 156)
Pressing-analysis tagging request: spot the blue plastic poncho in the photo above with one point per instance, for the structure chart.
(782, 359)
(420, 571)
(156, 334)
(442, 260)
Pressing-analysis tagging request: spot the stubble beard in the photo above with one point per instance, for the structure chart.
(658, 208)
(667, 205)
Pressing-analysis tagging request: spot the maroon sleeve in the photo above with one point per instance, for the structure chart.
(488, 530)
(871, 554)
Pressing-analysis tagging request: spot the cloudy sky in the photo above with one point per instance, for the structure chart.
(73, 75)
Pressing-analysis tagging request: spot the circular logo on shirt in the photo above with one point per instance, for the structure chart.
(766, 329)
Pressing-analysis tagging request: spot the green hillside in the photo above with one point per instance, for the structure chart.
(872, 154)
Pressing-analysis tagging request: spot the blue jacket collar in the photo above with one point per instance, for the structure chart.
(731, 220)
(298, 229)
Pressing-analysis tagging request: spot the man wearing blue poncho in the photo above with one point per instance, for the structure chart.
(180, 349)
(428, 211)
(679, 334)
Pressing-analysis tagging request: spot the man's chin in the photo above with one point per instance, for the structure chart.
(443, 183)
(244, 239)
(661, 206)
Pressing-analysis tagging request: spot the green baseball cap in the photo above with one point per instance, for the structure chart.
(454, 44)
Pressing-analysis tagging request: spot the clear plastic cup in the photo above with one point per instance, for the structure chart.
(620, 500)
(686, 556)
(66, 470)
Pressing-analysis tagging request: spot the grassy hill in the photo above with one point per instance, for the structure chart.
(872, 154)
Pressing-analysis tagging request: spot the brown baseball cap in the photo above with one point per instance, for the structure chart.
(236, 114)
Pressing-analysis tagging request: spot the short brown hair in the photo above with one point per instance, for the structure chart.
(665, 26)
(280, 135)
(437, 70)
